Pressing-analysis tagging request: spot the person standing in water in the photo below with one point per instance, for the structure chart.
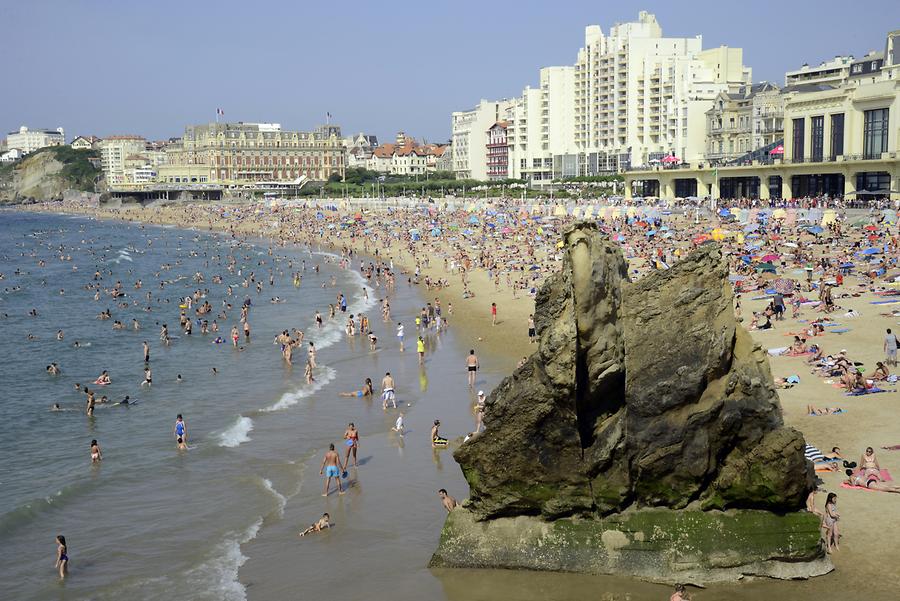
(351, 435)
(331, 468)
(96, 455)
(62, 557)
(420, 349)
(180, 430)
(472, 367)
(387, 391)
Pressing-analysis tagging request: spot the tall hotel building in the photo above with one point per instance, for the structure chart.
(631, 97)
(640, 96)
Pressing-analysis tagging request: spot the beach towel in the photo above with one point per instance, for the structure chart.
(778, 351)
(839, 330)
(885, 474)
(884, 302)
(761, 297)
(875, 390)
(798, 354)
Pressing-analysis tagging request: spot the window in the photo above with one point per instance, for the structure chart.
(837, 135)
(875, 133)
(817, 137)
(798, 141)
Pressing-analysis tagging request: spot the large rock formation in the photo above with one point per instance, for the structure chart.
(641, 395)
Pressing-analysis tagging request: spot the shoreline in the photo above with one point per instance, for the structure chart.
(871, 422)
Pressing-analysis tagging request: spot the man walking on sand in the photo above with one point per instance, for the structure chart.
(890, 348)
(331, 468)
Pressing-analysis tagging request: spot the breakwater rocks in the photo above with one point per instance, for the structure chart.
(646, 421)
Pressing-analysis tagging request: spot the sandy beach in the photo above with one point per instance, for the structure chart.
(869, 521)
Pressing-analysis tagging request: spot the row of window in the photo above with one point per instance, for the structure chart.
(875, 135)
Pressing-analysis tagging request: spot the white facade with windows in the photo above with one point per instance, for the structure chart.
(113, 152)
(29, 140)
(641, 96)
(468, 131)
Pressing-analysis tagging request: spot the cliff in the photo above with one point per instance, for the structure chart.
(47, 174)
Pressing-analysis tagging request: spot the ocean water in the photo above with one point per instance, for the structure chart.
(150, 522)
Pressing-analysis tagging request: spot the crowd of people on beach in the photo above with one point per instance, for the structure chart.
(798, 265)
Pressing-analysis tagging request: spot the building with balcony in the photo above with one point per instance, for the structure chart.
(640, 96)
(114, 150)
(29, 140)
(740, 122)
(497, 152)
(839, 141)
(234, 154)
(467, 137)
(833, 72)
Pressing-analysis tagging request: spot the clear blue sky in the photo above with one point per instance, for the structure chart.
(120, 66)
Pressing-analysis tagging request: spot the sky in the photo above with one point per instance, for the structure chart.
(106, 67)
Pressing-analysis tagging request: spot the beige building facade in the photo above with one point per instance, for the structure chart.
(234, 154)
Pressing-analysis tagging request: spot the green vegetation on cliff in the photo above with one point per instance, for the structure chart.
(77, 167)
(47, 173)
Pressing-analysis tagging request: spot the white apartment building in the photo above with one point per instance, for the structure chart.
(29, 140)
(468, 137)
(641, 96)
(113, 152)
(541, 127)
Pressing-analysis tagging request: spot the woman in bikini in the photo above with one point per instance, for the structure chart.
(869, 463)
(62, 558)
(96, 455)
(365, 391)
(351, 436)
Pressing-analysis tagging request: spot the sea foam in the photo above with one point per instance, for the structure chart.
(236, 434)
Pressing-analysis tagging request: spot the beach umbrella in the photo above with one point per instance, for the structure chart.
(751, 228)
(724, 212)
(506, 230)
(651, 233)
(790, 245)
(435, 231)
(890, 216)
(473, 220)
(701, 238)
(779, 214)
(816, 229)
(766, 268)
(870, 228)
(769, 258)
(534, 268)
(871, 251)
